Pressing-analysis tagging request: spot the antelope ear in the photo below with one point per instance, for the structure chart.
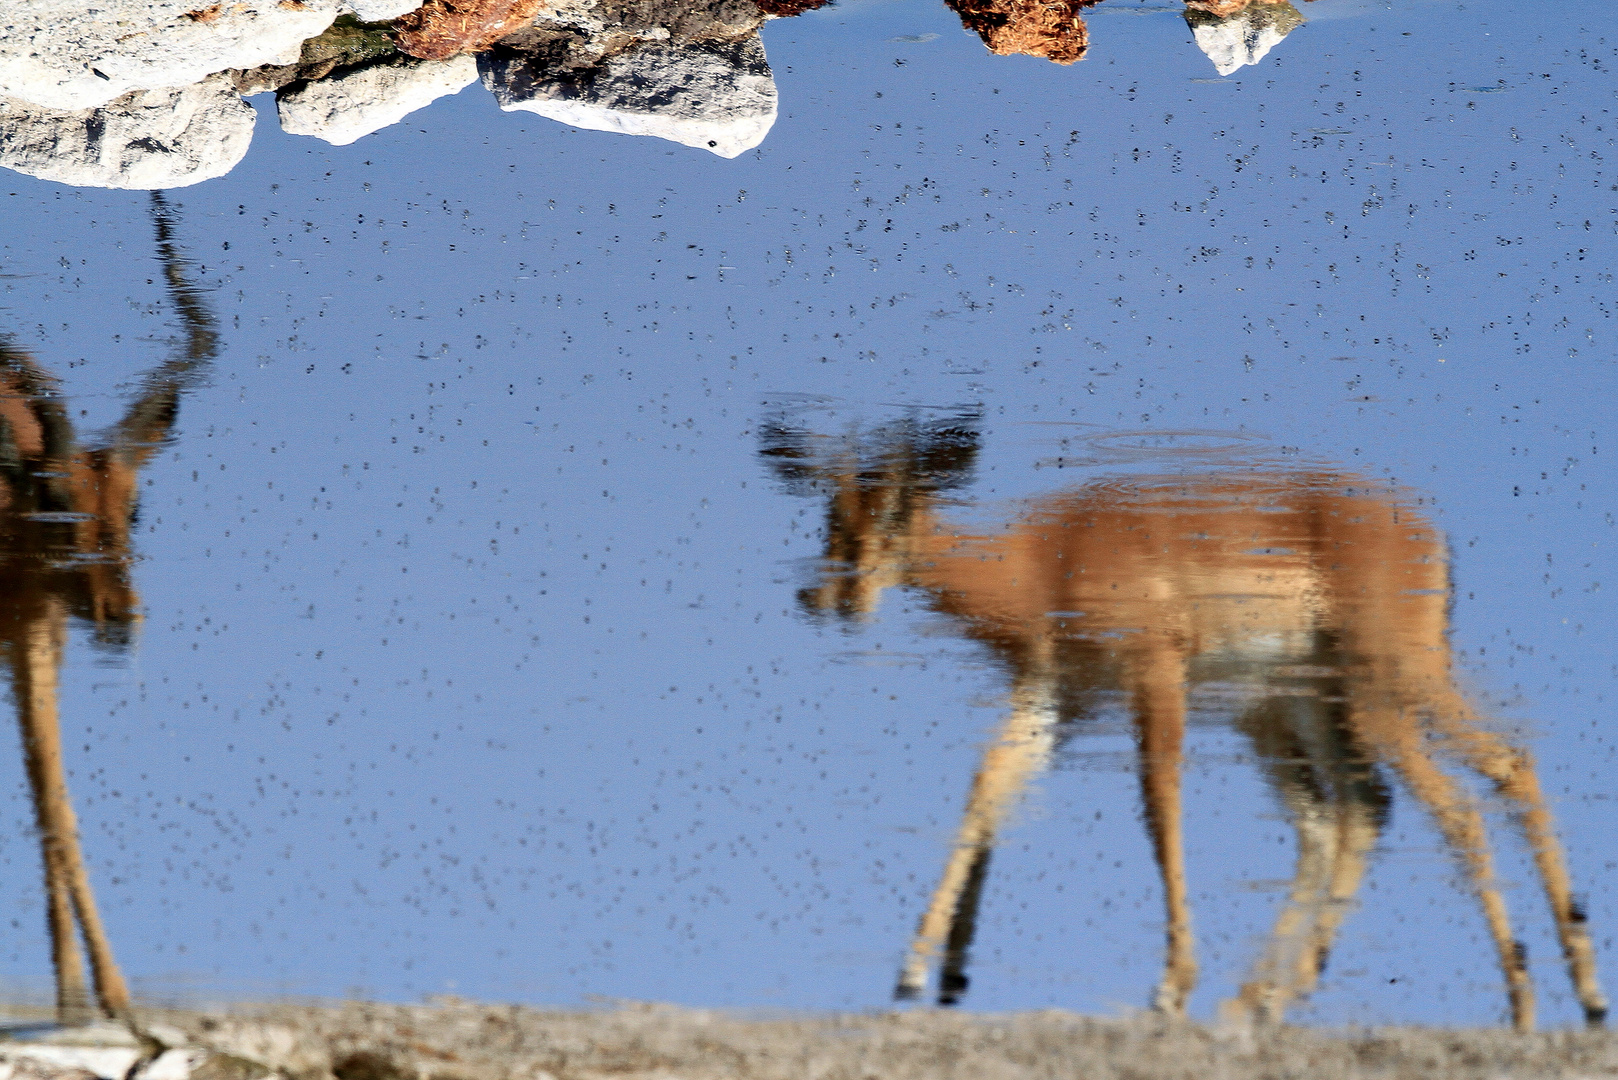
(789, 452)
(941, 453)
(947, 450)
(149, 419)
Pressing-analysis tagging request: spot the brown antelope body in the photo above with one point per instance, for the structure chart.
(1323, 596)
(65, 518)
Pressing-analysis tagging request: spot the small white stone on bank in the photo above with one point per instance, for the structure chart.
(105, 1063)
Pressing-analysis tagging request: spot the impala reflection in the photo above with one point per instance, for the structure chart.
(1321, 596)
(67, 507)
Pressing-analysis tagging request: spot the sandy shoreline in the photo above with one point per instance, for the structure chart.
(455, 1040)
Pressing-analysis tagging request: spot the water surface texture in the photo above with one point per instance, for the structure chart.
(1110, 533)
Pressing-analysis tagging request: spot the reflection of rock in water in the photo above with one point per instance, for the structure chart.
(1052, 29)
(65, 55)
(719, 96)
(1235, 33)
(352, 104)
(147, 139)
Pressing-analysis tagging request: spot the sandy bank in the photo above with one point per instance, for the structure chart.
(453, 1040)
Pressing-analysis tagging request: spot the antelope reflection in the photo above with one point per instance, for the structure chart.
(66, 511)
(1321, 597)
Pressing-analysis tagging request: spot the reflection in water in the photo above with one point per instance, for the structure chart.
(1318, 599)
(1233, 33)
(65, 524)
(148, 93)
(1052, 29)
(1236, 33)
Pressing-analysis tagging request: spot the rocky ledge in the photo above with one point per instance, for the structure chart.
(147, 93)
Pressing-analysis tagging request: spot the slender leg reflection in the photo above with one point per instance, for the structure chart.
(1401, 741)
(1335, 800)
(952, 979)
(1021, 749)
(1159, 707)
(1265, 995)
(1512, 772)
(34, 676)
(1334, 844)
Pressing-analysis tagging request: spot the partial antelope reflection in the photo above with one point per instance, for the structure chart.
(66, 511)
(1319, 597)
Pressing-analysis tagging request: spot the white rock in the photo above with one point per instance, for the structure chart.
(106, 1062)
(148, 139)
(283, 1048)
(719, 96)
(99, 1032)
(77, 54)
(346, 107)
(379, 10)
(1245, 37)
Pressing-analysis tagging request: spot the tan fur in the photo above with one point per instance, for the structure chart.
(65, 522)
(1324, 594)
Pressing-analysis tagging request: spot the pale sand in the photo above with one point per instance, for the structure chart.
(455, 1040)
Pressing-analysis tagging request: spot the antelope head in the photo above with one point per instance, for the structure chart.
(881, 486)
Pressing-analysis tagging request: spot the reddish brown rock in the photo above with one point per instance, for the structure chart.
(1052, 29)
(440, 29)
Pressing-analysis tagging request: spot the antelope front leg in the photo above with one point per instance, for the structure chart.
(33, 684)
(1020, 749)
(1512, 772)
(1333, 846)
(1459, 820)
(1158, 698)
(66, 881)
